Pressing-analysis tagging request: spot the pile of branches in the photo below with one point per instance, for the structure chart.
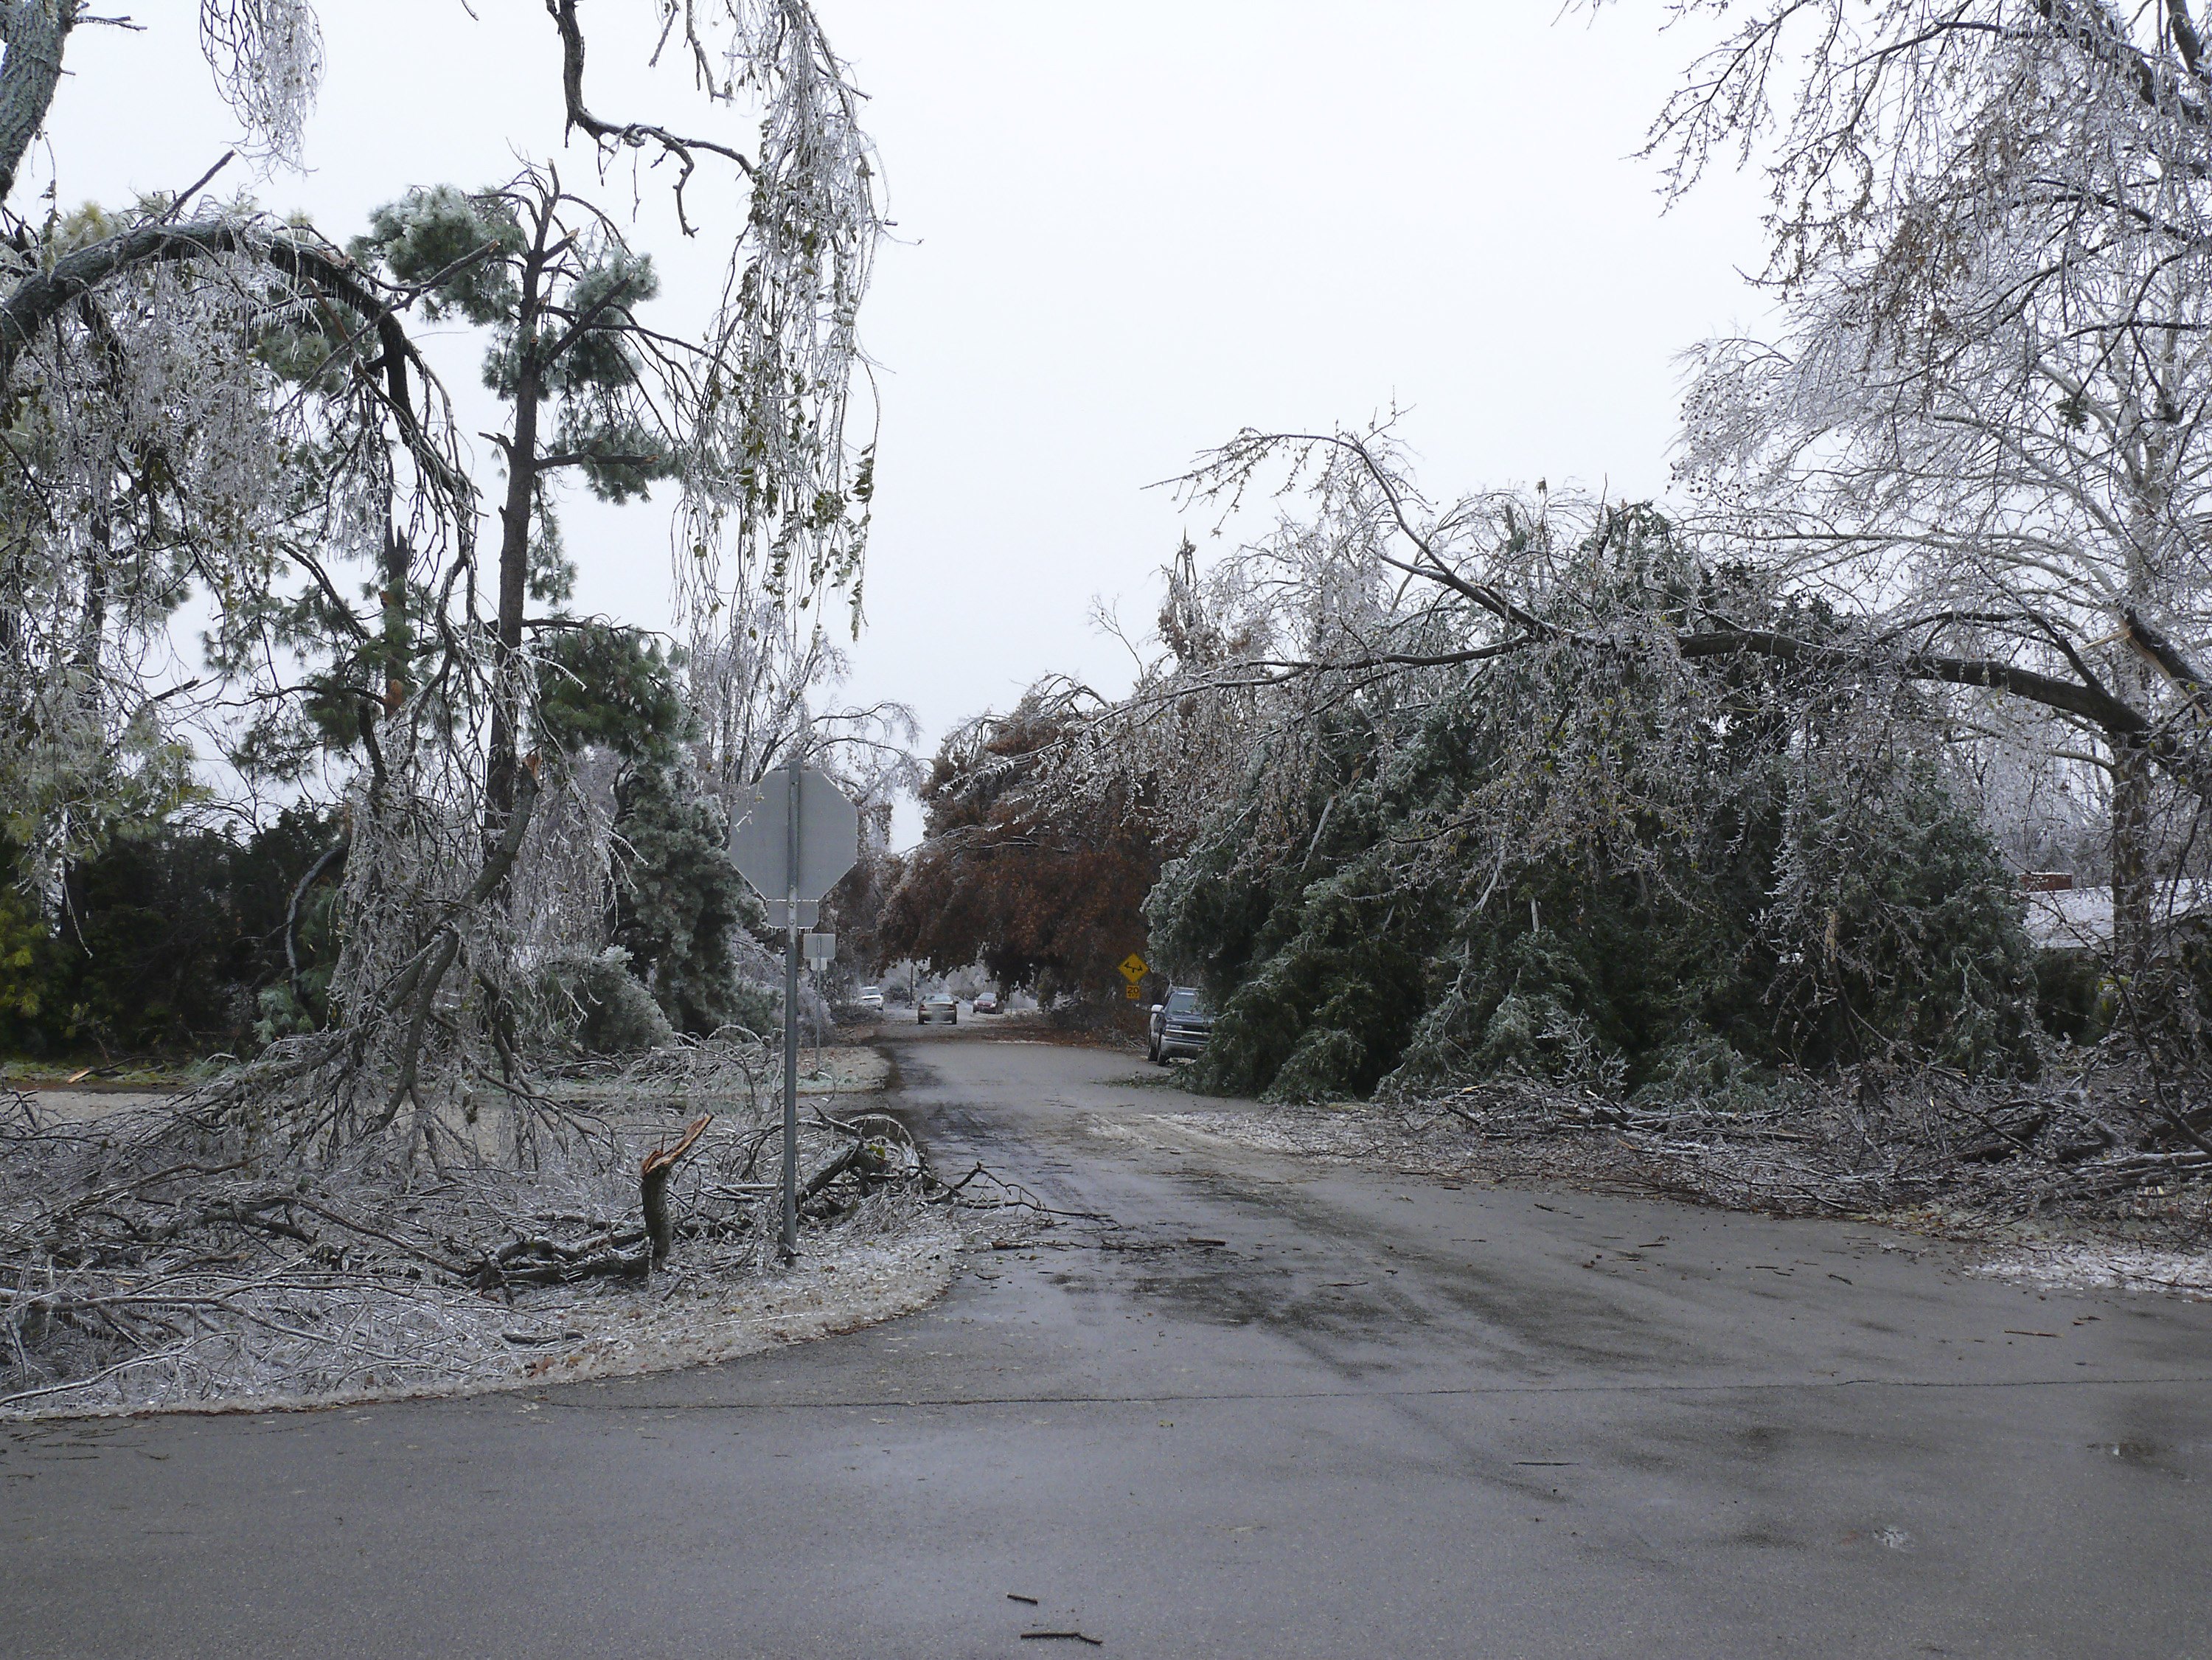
(2107, 1137)
(173, 1254)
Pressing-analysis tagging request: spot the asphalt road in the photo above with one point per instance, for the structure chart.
(1382, 1418)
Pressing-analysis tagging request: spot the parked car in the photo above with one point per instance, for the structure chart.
(870, 997)
(1181, 1025)
(937, 1007)
(987, 1002)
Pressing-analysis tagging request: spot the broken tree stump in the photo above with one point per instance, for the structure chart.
(653, 1187)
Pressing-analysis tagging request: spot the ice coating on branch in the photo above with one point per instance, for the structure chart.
(267, 56)
(203, 416)
(150, 447)
(1984, 411)
(776, 498)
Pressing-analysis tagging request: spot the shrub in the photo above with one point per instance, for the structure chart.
(595, 1004)
(681, 907)
(169, 940)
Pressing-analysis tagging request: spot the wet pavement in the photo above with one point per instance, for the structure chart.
(1273, 1408)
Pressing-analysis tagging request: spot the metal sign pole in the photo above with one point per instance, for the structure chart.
(791, 1039)
(802, 860)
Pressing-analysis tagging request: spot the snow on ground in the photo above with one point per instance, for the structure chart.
(840, 1285)
(845, 1280)
(832, 1069)
(1309, 1135)
(2098, 1267)
(85, 1105)
(841, 1070)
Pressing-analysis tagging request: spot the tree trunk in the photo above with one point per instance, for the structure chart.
(2133, 946)
(514, 523)
(34, 31)
(397, 643)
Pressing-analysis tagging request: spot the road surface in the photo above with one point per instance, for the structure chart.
(1381, 1418)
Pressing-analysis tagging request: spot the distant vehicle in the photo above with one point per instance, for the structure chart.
(1180, 1026)
(870, 997)
(937, 1007)
(987, 1002)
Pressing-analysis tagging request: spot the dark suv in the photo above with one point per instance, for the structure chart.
(1181, 1025)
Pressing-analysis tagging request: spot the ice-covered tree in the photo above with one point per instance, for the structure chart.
(1982, 425)
(205, 399)
(1528, 780)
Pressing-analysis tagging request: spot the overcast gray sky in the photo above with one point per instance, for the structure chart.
(1124, 231)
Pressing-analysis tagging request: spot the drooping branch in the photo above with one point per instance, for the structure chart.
(1359, 478)
(45, 295)
(421, 985)
(2091, 703)
(333, 855)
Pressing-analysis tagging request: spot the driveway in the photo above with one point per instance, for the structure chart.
(1266, 1407)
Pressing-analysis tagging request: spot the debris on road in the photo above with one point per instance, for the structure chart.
(2058, 1182)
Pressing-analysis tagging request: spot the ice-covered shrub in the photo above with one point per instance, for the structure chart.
(595, 1004)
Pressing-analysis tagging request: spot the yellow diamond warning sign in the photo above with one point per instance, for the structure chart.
(1132, 968)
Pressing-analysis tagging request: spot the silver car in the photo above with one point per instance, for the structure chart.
(937, 1007)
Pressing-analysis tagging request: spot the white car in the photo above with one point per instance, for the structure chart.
(870, 997)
